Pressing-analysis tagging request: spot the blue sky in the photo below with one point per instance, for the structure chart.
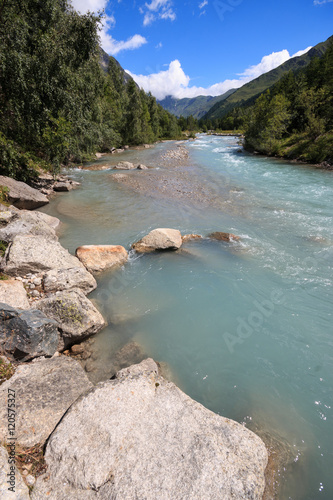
(207, 46)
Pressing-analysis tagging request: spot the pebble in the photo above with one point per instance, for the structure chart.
(35, 293)
(32, 286)
(30, 480)
(37, 281)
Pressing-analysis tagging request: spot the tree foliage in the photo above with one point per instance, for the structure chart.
(56, 103)
(294, 118)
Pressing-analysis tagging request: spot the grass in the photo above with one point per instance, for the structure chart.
(7, 370)
(30, 459)
(3, 247)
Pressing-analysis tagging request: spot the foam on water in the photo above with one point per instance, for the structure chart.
(209, 312)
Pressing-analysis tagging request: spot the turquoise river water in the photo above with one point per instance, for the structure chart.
(245, 328)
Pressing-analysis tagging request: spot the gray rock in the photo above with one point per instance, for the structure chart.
(97, 258)
(62, 186)
(159, 239)
(218, 235)
(77, 317)
(35, 254)
(124, 165)
(12, 292)
(21, 195)
(44, 389)
(21, 491)
(68, 279)
(25, 335)
(29, 223)
(140, 437)
(142, 167)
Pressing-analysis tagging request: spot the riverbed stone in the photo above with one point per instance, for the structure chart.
(44, 389)
(139, 436)
(159, 239)
(25, 335)
(34, 254)
(220, 236)
(190, 237)
(21, 490)
(77, 317)
(124, 165)
(62, 186)
(98, 258)
(21, 195)
(68, 279)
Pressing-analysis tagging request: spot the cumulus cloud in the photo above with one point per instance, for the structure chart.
(301, 52)
(157, 9)
(93, 5)
(173, 81)
(321, 2)
(108, 43)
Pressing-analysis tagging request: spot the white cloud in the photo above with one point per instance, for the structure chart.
(113, 47)
(108, 43)
(93, 5)
(321, 2)
(173, 81)
(157, 9)
(203, 4)
(301, 52)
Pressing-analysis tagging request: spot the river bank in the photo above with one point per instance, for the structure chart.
(39, 265)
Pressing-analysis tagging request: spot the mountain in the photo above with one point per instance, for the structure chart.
(263, 82)
(195, 106)
(104, 62)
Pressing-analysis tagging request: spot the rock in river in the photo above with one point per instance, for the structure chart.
(21, 195)
(139, 436)
(77, 317)
(223, 236)
(44, 389)
(98, 258)
(124, 165)
(25, 335)
(159, 239)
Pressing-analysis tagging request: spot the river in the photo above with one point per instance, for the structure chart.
(245, 328)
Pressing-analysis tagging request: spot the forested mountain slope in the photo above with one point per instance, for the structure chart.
(57, 104)
(263, 82)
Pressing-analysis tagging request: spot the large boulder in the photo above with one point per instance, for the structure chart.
(159, 239)
(12, 292)
(98, 258)
(10, 477)
(13, 223)
(44, 391)
(77, 317)
(139, 436)
(21, 195)
(25, 335)
(68, 279)
(34, 254)
(124, 165)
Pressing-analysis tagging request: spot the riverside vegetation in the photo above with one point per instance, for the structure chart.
(57, 103)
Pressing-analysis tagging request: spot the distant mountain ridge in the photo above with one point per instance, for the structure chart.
(195, 106)
(256, 87)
